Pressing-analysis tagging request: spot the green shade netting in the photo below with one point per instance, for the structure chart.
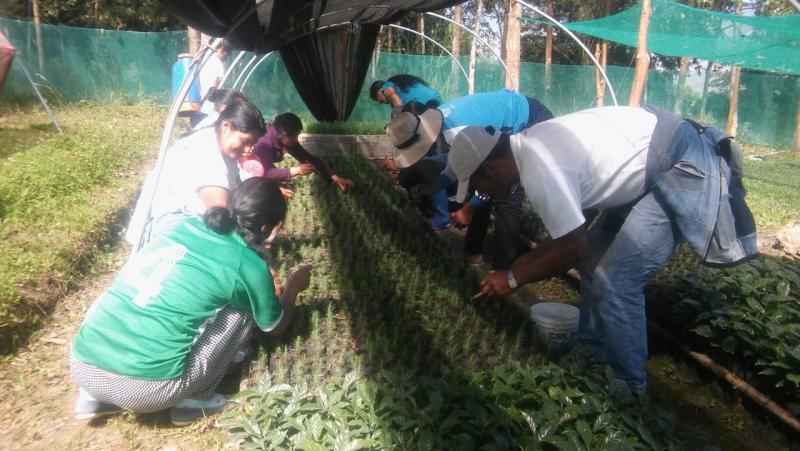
(756, 42)
(84, 64)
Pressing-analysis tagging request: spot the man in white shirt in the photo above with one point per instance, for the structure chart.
(603, 160)
(214, 70)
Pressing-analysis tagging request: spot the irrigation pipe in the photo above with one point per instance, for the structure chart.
(482, 41)
(453, 57)
(737, 383)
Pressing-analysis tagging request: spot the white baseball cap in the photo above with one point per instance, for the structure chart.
(470, 148)
(413, 135)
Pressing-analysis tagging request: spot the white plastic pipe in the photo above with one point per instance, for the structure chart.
(482, 41)
(194, 70)
(230, 68)
(453, 57)
(572, 35)
(252, 70)
(241, 74)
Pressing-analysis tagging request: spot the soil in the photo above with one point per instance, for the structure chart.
(37, 411)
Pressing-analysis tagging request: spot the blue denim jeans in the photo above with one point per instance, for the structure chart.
(612, 322)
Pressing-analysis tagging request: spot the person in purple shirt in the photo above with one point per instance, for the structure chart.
(281, 138)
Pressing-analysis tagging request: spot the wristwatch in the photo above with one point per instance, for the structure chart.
(512, 282)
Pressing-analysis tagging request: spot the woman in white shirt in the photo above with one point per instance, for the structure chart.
(198, 172)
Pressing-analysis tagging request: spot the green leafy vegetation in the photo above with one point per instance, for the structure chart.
(773, 183)
(388, 351)
(748, 317)
(346, 128)
(59, 197)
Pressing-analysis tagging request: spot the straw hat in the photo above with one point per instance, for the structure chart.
(413, 135)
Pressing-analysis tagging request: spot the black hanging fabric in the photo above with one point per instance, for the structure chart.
(328, 67)
(325, 44)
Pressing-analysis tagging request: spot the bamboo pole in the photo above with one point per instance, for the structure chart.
(421, 29)
(797, 127)
(642, 57)
(473, 48)
(512, 43)
(194, 40)
(37, 23)
(738, 383)
(733, 103)
(548, 53)
(684, 67)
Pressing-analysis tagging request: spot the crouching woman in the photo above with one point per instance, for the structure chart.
(163, 334)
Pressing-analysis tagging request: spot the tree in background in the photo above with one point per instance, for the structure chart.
(642, 57)
(135, 15)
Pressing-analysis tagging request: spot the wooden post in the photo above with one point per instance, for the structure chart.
(733, 103)
(599, 80)
(37, 23)
(642, 57)
(421, 29)
(194, 40)
(548, 53)
(473, 48)
(732, 124)
(389, 39)
(706, 83)
(512, 43)
(797, 128)
(455, 45)
(684, 66)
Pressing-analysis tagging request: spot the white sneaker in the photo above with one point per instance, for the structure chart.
(87, 408)
(187, 411)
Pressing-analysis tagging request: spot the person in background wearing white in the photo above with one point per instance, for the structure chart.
(212, 72)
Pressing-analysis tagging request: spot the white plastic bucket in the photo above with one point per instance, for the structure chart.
(556, 325)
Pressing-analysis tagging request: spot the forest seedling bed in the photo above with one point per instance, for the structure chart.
(387, 350)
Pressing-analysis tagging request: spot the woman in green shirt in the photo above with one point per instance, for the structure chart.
(164, 332)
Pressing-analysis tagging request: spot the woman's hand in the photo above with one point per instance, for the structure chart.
(303, 169)
(343, 183)
(287, 193)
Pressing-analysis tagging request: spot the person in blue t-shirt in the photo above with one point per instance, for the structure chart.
(402, 89)
(428, 135)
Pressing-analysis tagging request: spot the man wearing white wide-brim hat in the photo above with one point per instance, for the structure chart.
(655, 178)
(424, 139)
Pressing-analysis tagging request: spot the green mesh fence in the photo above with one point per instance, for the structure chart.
(94, 64)
(755, 42)
(83, 63)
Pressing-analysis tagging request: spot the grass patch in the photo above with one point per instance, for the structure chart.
(59, 195)
(772, 186)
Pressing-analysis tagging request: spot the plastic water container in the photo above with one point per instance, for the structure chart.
(180, 69)
(556, 325)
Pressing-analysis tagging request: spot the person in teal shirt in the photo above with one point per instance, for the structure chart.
(165, 331)
(403, 89)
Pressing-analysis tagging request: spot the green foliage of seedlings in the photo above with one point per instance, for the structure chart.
(748, 317)
(403, 359)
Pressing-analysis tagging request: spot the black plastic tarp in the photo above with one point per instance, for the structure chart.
(326, 45)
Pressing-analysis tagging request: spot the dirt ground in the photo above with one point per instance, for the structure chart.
(40, 393)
